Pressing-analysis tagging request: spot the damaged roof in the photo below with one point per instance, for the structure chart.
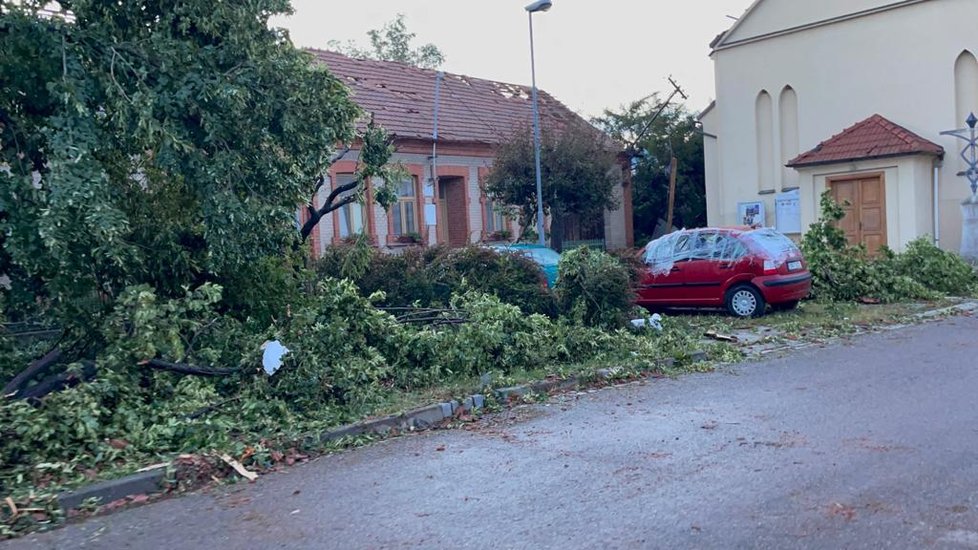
(401, 98)
(875, 137)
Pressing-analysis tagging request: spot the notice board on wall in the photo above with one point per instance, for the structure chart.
(787, 212)
(751, 214)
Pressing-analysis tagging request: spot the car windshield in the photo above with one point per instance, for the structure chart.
(771, 244)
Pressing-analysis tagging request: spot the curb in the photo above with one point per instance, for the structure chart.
(425, 418)
(148, 483)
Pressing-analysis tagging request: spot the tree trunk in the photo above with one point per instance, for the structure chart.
(556, 229)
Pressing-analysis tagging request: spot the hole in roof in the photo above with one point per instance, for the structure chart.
(509, 91)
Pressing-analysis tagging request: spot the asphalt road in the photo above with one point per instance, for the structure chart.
(870, 444)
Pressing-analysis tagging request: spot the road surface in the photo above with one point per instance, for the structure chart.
(868, 444)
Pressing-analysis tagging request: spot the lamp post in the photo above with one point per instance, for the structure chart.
(539, 5)
(969, 208)
(970, 152)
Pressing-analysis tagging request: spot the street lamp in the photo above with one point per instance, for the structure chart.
(970, 152)
(539, 5)
(969, 208)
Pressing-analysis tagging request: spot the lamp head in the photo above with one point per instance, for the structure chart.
(972, 120)
(540, 5)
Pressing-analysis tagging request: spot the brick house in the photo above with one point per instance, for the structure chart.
(473, 117)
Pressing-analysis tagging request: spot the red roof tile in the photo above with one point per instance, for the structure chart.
(875, 137)
(471, 110)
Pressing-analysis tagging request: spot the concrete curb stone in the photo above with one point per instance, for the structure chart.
(107, 491)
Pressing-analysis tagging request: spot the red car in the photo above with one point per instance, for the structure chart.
(742, 270)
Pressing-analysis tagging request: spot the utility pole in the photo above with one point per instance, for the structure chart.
(673, 167)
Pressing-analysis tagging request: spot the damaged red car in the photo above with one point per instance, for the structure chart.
(744, 271)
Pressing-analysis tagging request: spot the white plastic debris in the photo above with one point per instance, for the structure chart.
(271, 359)
(655, 322)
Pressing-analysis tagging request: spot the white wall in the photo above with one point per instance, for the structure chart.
(898, 63)
(775, 15)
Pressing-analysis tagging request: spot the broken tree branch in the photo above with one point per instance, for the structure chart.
(184, 368)
(316, 215)
(38, 367)
(58, 382)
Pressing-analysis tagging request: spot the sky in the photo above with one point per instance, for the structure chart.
(590, 54)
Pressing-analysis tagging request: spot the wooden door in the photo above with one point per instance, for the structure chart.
(452, 218)
(864, 201)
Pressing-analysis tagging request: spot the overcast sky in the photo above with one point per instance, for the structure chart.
(591, 54)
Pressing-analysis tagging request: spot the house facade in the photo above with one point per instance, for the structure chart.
(446, 128)
(849, 96)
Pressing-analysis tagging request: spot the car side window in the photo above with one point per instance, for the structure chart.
(703, 246)
(729, 249)
(682, 249)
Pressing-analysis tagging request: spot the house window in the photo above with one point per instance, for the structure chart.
(495, 221)
(404, 214)
(352, 217)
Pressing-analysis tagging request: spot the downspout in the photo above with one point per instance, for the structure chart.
(937, 202)
(434, 153)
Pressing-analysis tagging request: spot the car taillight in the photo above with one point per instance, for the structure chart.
(771, 267)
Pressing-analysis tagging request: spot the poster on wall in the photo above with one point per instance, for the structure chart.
(750, 214)
(787, 212)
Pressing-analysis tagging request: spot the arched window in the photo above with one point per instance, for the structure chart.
(965, 86)
(764, 116)
(788, 106)
(965, 91)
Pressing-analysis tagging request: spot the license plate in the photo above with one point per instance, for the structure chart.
(794, 266)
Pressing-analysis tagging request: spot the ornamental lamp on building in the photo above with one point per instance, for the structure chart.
(969, 208)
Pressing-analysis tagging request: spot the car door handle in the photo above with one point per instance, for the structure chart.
(675, 269)
(726, 266)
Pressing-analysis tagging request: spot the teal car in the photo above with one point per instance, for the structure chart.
(545, 257)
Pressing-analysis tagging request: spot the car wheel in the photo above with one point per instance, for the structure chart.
(786, 306)
(745, 301)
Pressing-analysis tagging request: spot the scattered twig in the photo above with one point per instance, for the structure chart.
(210, 408)
(238, 467)
(721, 337)
(14, 512)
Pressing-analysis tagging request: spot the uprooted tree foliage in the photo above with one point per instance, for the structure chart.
(844, 272)
(161, 144)
(152, 158)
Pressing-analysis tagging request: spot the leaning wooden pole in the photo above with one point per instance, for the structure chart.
(673, 167)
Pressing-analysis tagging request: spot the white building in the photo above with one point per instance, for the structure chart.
(847, 95)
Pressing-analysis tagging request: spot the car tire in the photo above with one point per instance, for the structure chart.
(785, 306)
(745, 301)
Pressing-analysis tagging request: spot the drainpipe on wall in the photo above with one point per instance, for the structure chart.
(434, 158)
(937, 202)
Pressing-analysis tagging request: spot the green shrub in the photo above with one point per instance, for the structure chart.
(937, 269)
(633, 259)
(429, 277)
(513, 278)
(594, 289)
